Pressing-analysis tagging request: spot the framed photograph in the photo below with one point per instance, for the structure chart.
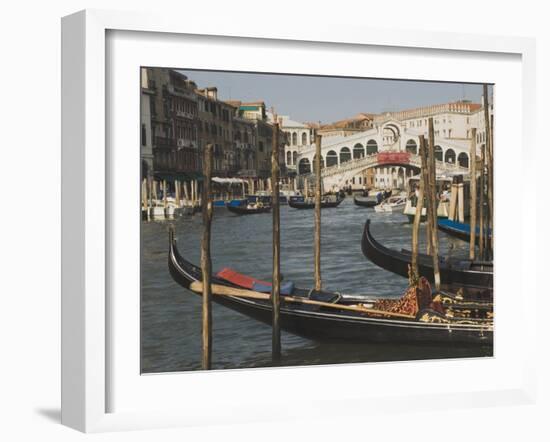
(383, 157)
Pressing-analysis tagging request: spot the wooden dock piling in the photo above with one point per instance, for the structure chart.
(489, 160)
(433, 204)
(317, 240)
(482, 205)
(206, 262)
(276, 276)
(418, 212)
(473, 195)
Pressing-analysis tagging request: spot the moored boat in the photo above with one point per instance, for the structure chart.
(418, 317)
(247, 208)
(471, 276)
(365, 202)
(300, 202)
(391, 204)
(458, 229)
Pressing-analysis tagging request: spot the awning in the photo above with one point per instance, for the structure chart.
(229, 180)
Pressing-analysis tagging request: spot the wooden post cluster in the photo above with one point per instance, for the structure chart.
(317, 240)
(276, 277)
(206, 262)
(432, 203)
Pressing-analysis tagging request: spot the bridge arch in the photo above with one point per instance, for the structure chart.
(332, 158)
(411, 146)
(345, 155)
(438, 153)
(393, 128)
(463, 159)
(450, 156)
(372, 147)
(304, 166)
(358, 151)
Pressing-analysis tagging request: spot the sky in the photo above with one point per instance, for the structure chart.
(328, 99)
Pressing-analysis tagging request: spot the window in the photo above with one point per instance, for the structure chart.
(143, 135)
(304, 139)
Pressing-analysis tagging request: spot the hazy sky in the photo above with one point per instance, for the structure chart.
(328, 99)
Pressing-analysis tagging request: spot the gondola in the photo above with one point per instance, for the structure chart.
(473, 277)
(338, 323)
(299, 202)
(458, 230)
(245, 210)
(364, 202)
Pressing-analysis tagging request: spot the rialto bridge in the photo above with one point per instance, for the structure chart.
(390, 149)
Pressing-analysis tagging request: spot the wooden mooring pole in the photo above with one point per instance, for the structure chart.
(206, 262)
(425, 176)
(473, 195)
(489, 160)
(317, 239)
(418, 213)
(432, 204)
(276, 276)
(482, 213)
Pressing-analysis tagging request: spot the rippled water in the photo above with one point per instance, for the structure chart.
(171, 316)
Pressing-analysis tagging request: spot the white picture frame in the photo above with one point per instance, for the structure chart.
(86, 216)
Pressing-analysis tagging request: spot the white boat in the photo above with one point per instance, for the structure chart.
(391, 204)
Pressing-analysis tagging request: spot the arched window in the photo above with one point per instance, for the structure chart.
(332, 158)
(294, 138)
(463, 159)
(294, 157)
(304, 139)
(438, 153)
(345, 155)
(411, 147)
(304, 166)
(289, 158)
(322, 161)
(450, 156)
(358, 151)
(372, 147)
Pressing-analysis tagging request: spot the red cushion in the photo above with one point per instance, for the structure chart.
(239, 279)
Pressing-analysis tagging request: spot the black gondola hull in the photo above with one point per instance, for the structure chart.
(243, 210)
(303, 205)
(365, 203)
(459, 274)
(324, 324)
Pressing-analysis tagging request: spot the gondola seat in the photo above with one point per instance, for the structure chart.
(286, 287)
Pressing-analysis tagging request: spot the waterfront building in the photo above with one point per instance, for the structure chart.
(298, 136)
(146, 139)
(216, 127)
(244, 140)
(348, 126)
(173, 124)
(255, 112)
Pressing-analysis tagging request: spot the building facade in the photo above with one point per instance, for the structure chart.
(173, 123)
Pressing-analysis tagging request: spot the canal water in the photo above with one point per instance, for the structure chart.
(171, 316)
